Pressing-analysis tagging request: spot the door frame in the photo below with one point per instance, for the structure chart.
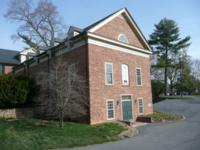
(131, 95)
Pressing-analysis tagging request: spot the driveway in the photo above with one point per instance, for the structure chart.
(180, 135)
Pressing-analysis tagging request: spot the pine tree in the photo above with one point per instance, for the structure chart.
(166, 42)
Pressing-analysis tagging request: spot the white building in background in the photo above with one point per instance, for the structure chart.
(27, 54)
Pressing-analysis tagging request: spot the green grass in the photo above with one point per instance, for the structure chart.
(163, 116)
(176, 97)
(32, 134)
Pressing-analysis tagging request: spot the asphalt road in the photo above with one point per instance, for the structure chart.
(180, 135)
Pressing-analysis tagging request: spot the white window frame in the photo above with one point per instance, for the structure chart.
(127, 73)
(106, 83)
(140, 76)
(140, 98)
(122, 34)
(110, 100)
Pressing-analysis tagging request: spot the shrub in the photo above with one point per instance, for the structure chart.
(16, 90)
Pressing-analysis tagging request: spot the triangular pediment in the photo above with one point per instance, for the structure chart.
(119, 23)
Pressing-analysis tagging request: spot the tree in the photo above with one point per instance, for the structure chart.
(40, 23)
(195, 66)
(186, 82)
(179, 61)
(16, 91)
(158, 88)
(166, 42)
(65, 89)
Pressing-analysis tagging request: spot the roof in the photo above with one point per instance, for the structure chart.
(8, 56)
(97, 22)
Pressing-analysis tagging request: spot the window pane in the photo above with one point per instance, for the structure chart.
(138, 77)
(110, 105)
(126, 97)
(110, 114)
(109, 78)
(141, 110)
(108, 68)
(110, 109)
(109, 73)
(141, 106)
(123, 38)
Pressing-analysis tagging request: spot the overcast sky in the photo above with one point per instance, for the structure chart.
(146, 13)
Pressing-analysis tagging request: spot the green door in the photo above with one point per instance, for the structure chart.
(127, 108)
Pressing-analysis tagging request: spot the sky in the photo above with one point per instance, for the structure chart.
(146, 13)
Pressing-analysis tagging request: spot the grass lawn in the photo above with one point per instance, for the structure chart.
(33, 134)
(163, 116)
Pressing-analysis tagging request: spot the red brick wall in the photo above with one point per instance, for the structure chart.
(78, 56)
(117, 26)
(99, 92)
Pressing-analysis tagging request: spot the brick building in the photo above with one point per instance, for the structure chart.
(8, 59)
(114, 57)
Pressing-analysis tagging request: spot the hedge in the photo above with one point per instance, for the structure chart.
(16, 91)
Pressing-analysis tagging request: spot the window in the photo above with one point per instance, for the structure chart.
(140, 106)
(110, 109)
(123, 38)
(138, 77)
(1, 69)
(109, 73)
(125, 75)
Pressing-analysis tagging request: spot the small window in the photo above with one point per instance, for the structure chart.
(110, 109)
(1, 69)
(125, 75)
(123, 38)
(140, 106)
(138, 77)
(109, 73)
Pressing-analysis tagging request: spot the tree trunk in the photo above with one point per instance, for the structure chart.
(61, 119)
(165, 80)
(171, 88)
(166, 63)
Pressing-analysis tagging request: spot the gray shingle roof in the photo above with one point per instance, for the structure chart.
(8, 56)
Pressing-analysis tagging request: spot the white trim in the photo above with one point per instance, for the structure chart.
(140, 98)
(131, 95)
(114, 16)
(114, 42)
(117, 48)
(140, 75)
(111, 100)
(106, 75)
(106, 21)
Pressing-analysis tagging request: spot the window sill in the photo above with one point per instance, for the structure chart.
(123, 85)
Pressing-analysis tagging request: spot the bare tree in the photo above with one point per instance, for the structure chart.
(196, 68)
(66, 89)
(40, 24)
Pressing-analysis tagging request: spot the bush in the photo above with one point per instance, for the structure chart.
(16, 90)
(157, 88)
(164, 116)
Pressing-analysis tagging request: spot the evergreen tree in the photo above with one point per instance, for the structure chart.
(166, 42)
